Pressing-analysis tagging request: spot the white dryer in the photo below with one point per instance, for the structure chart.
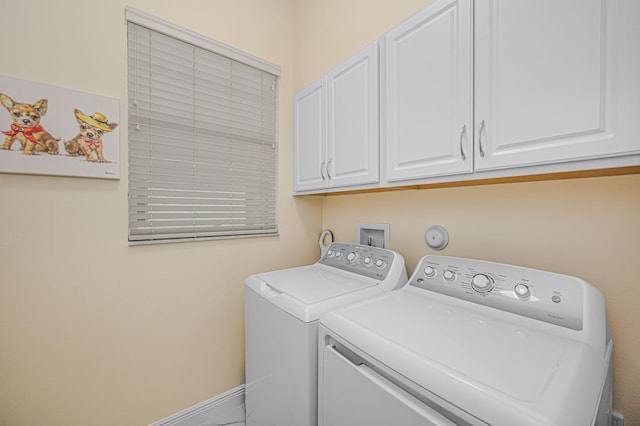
(282, 309)
(468, 342)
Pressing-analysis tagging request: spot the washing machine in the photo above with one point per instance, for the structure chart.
(469, 342)
(282, 309)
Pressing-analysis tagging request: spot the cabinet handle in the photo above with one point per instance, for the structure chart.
(321, 173)
(480, 138)
(462, 154)
(328, 175)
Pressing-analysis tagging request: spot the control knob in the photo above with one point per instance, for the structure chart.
(430, 271)
(351, 257)
(449, 275)
(381, 264)
(482, 283)
(522, 291)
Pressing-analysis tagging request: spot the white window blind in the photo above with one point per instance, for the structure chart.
(202, 142)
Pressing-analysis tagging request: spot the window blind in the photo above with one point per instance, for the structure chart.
(202, 142)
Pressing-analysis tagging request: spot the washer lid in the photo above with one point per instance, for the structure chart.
(309, 291)
(314, 283)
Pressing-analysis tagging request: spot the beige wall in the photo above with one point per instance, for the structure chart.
(92, 331)
(586, 227)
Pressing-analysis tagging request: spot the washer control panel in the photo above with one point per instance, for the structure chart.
(545, 296)
(372, 262)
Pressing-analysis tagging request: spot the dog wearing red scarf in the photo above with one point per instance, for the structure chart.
(89, 140)
(26, 127)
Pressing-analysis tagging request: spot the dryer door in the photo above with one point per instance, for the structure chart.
(356, 395)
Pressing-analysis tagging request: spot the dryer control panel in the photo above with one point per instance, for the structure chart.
(372, 262)
(545, 296)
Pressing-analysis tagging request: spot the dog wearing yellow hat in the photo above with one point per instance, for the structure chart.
(89, 140)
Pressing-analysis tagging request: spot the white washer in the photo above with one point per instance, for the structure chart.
(468, 342)
(282, 309)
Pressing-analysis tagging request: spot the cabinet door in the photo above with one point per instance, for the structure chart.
(428, 93)
(309, 137)
(353, 137)
(552, 83)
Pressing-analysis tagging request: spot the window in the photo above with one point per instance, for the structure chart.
(202, 136)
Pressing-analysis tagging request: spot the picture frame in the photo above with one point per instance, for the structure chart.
(50, 130)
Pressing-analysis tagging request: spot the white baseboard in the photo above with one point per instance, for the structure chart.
(224, 409)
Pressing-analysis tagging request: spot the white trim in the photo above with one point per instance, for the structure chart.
(214, 411)
(144, 19)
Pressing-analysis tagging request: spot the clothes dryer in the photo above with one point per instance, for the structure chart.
(282, 309)
(468, 342)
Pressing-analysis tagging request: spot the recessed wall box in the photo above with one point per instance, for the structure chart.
(373, 234)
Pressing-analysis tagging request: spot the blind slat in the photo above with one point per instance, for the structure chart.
(202, 132)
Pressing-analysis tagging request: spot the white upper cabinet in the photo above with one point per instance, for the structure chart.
(335, 126)
(428, 98)
(309, 136)
(554, 81)
(353, 136)
(477, 89)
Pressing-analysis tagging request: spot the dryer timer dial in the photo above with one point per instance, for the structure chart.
(482, 283)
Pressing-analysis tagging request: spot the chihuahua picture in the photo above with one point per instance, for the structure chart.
(26, 127)
(89, 140)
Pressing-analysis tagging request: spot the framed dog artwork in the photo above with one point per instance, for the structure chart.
(49, 130)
